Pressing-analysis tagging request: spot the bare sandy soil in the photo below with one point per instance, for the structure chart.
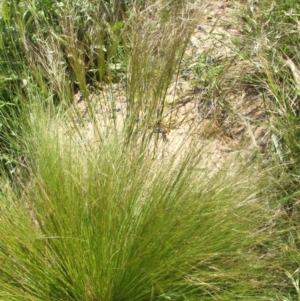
(207, 103)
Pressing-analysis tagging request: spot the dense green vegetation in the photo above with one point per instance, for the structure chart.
(112, 218)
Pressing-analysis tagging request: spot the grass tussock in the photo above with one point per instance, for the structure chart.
(107, 222)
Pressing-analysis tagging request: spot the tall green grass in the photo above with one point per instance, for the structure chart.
(107, 222)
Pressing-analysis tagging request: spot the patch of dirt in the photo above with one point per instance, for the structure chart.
(206, 103)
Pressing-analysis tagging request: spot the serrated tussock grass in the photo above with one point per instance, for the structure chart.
(107, 222)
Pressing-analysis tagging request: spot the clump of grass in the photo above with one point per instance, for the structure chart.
(105, 222)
